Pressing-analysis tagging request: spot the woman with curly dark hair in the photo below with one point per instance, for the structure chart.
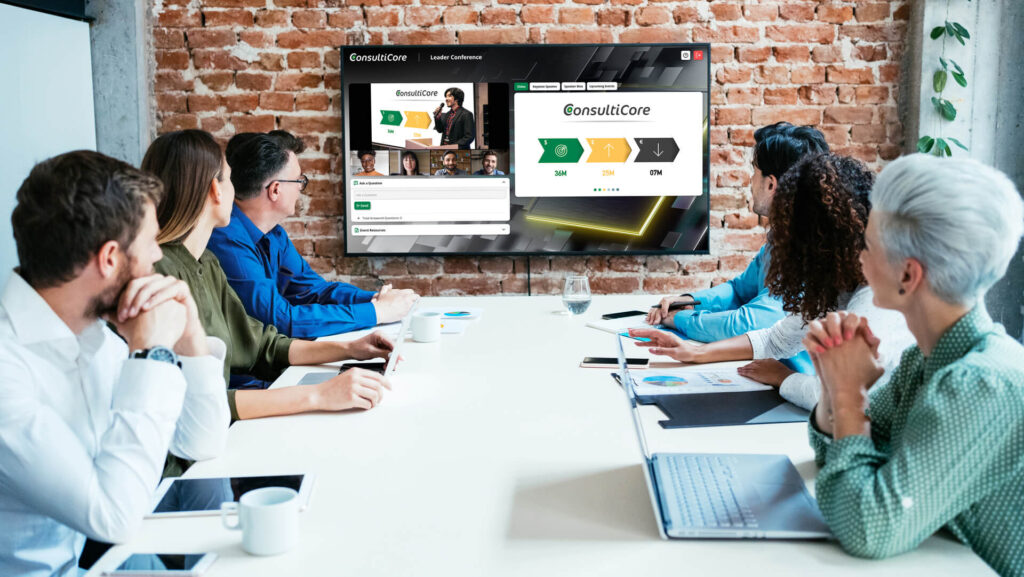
(818, 217)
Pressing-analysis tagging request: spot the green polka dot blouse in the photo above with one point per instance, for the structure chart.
(946, 451)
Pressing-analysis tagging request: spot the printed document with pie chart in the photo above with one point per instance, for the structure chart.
(692, 380)
(609, 144)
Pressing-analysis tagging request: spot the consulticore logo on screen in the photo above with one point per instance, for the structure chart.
(606, 110)
(377, 57)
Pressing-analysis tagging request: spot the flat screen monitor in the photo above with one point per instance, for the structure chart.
(525, 149)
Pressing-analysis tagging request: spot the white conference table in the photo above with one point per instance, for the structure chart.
(497, 455)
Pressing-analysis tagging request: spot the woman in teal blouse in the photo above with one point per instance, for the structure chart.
(942, 444)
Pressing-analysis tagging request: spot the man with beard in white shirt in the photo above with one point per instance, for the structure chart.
(86, 419)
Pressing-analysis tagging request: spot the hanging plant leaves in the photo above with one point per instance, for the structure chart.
(941, 148)
(948, 112)
(958, 143)
(945, 108)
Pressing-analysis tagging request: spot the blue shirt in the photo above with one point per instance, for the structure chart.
(277, 286)
(736, 307)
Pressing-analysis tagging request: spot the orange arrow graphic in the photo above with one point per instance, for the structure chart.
(608, 150)
(416, 119)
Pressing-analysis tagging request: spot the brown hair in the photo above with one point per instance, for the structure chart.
(71, 205)
(818, 217)
(186, 161)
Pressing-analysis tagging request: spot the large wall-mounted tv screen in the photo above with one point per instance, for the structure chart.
(526, 149)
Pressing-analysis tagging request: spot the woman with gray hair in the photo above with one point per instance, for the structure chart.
(941, 445)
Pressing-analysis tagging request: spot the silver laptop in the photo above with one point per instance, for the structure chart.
(724, 496)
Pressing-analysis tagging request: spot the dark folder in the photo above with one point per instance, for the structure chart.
(724, 409)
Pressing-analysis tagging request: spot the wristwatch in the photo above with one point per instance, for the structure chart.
(162, 354)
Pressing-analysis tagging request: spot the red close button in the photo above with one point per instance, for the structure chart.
(698, 55)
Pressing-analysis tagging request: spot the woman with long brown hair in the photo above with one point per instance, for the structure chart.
(818, 218)
(198, 196)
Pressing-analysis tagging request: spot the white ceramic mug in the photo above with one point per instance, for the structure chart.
(426, 326)
(268, 519)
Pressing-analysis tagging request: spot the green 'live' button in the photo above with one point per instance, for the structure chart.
(521, 86)
(362, 205)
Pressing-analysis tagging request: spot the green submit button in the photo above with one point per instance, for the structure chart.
(362, 205)
(521, 86)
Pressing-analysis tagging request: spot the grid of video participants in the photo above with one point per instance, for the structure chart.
(440, 163)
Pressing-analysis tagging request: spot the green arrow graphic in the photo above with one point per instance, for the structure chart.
(391, 117)
(561, 150)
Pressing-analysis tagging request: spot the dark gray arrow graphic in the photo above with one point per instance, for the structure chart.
(656, 150)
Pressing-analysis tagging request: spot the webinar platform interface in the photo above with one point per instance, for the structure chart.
(525, 149)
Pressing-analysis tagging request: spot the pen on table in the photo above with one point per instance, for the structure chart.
(629, 336)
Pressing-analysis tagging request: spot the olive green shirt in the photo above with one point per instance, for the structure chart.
(253, 348)
(946, 451)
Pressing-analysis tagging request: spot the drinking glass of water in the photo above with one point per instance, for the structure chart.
(576, 295)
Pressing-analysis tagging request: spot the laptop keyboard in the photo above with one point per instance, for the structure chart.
(704, 487)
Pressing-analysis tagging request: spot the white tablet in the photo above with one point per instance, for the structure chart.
(177, 497)
(163, 565)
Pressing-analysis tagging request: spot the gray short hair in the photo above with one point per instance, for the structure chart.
(961, 219)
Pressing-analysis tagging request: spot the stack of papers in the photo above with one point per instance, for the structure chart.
(691, 380)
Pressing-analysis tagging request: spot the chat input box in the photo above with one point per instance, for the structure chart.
(429, 199)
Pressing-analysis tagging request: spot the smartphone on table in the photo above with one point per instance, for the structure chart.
(612, 363)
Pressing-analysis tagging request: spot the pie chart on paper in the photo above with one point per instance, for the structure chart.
(665, 381)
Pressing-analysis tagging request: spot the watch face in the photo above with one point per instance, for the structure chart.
(162, 354)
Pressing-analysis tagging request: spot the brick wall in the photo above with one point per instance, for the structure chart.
(231, 66)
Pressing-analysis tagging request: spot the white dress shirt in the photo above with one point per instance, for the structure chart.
(84, 432)
(785, 339)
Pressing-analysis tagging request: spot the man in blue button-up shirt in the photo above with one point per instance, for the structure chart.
(743, 304)
(277, 285)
